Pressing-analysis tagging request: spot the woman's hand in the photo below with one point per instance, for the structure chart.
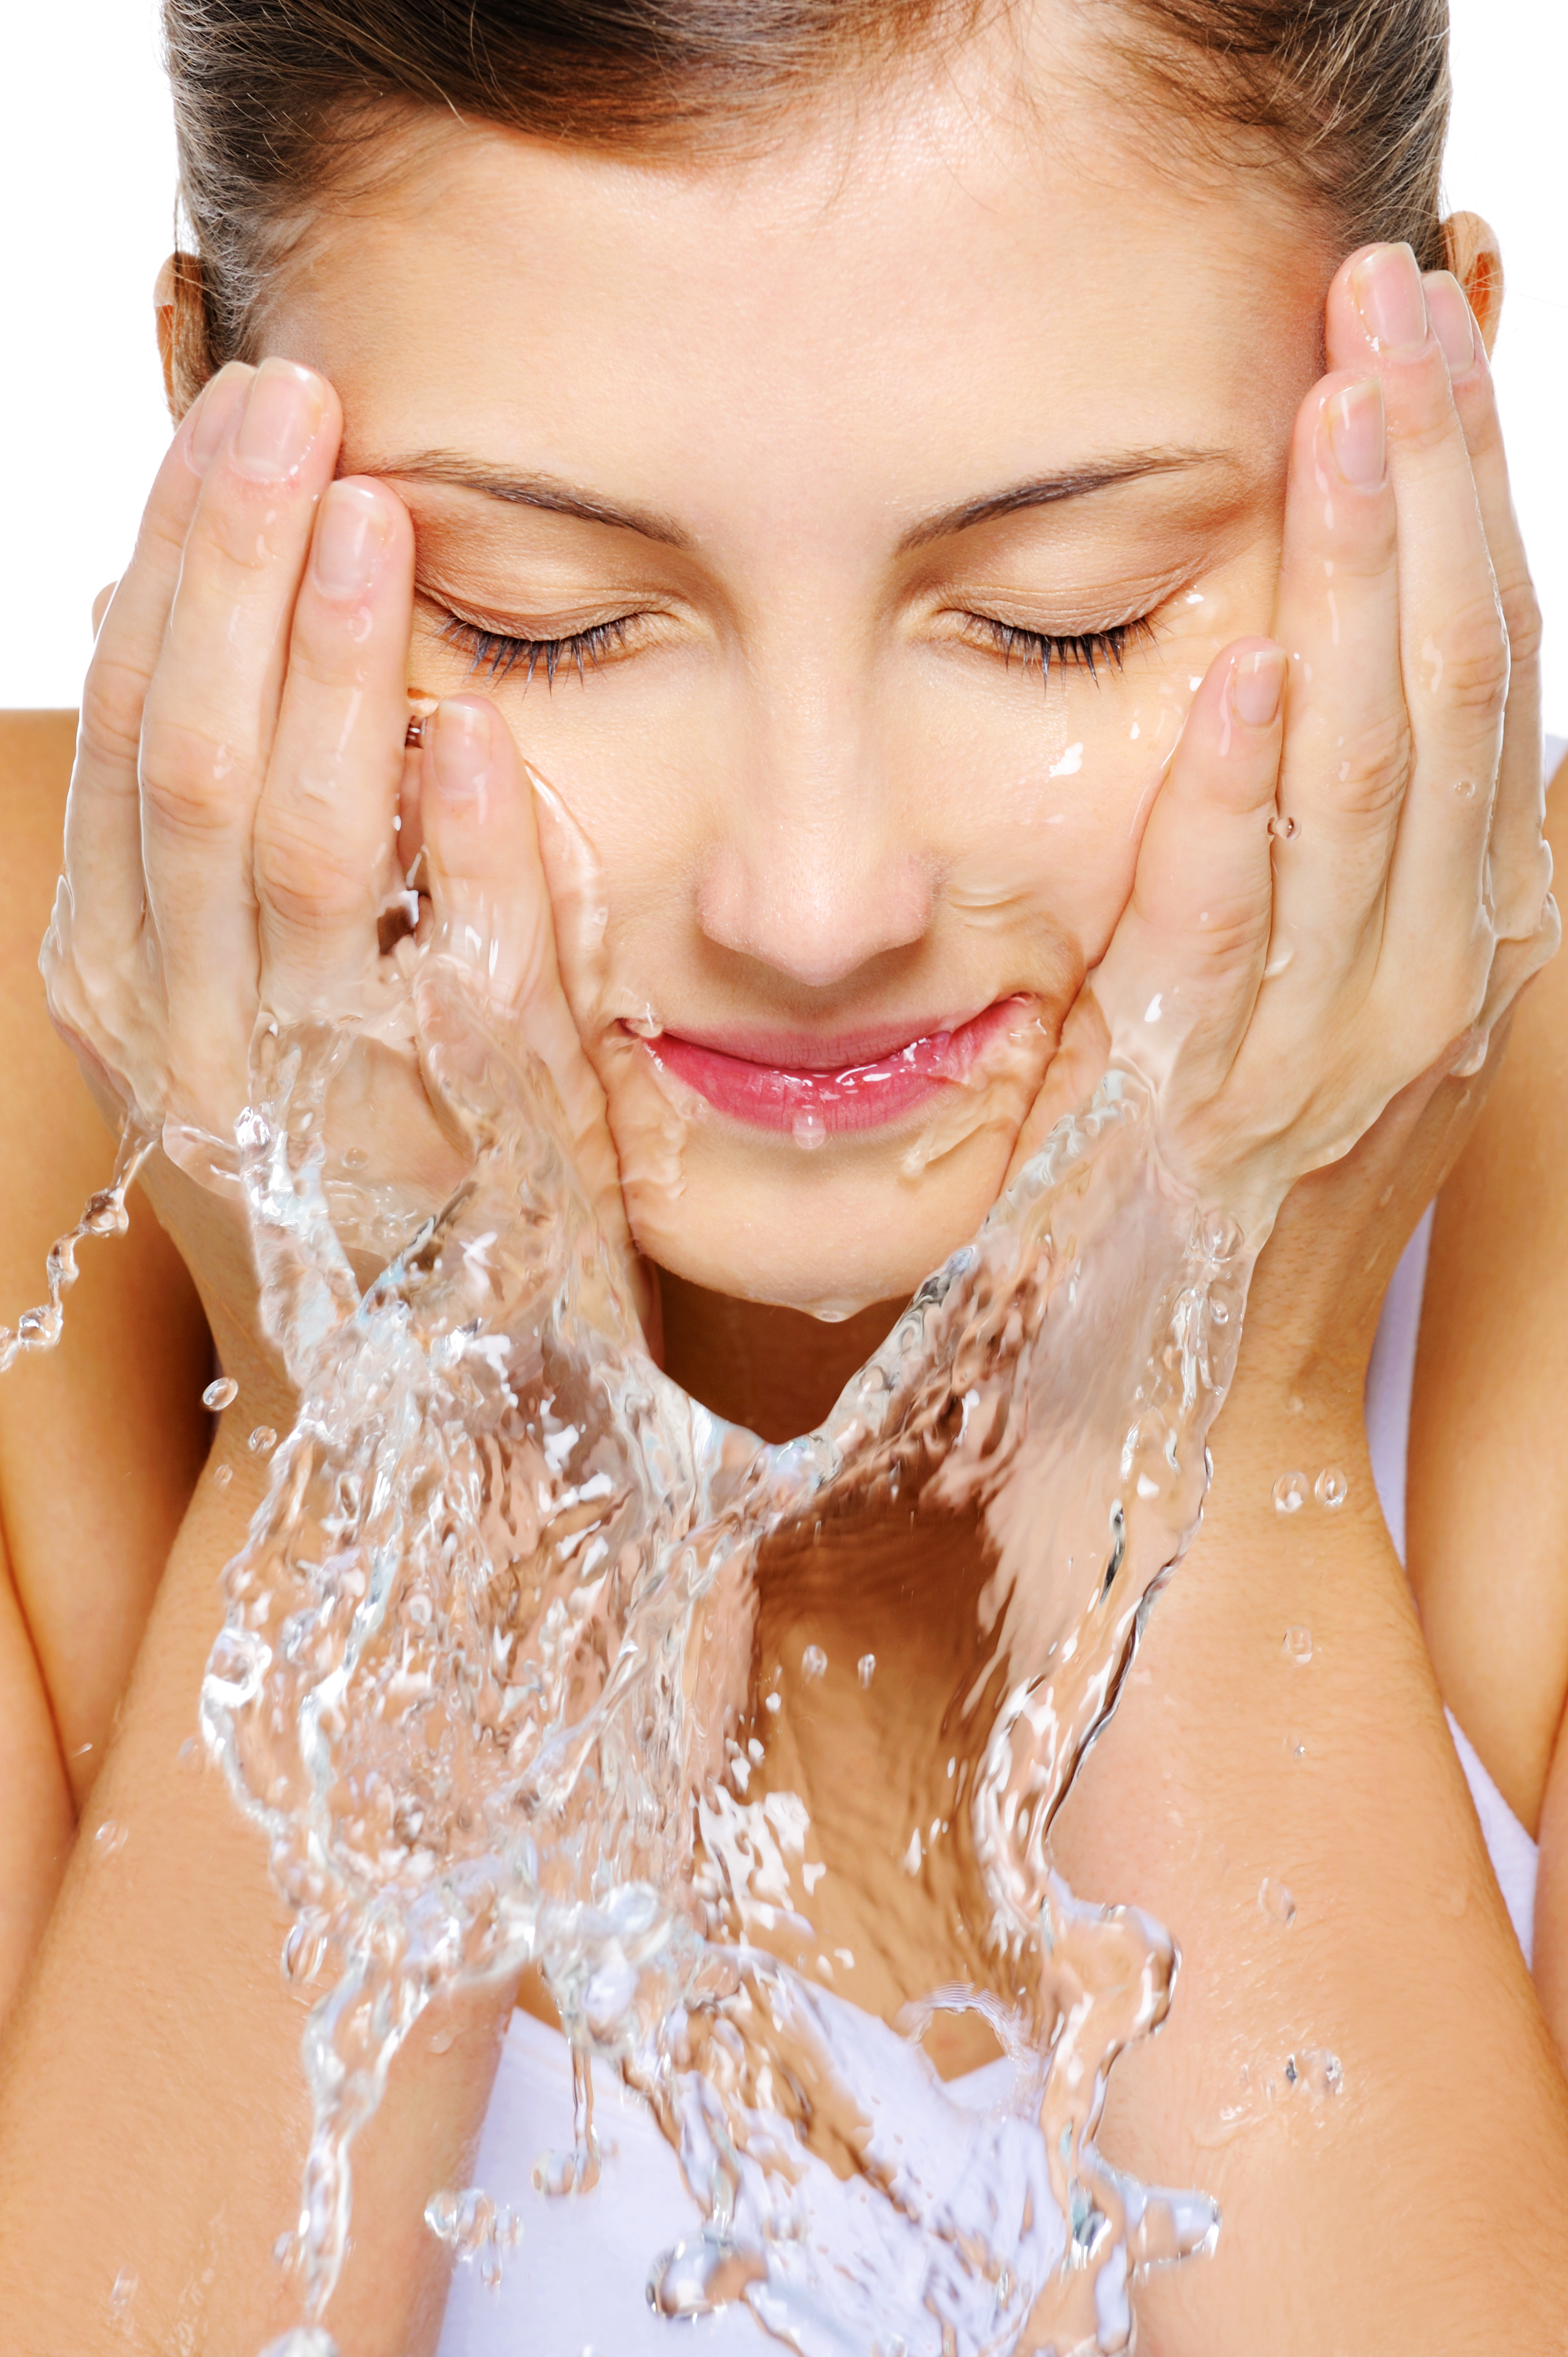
(1343, 879)
(232, 840)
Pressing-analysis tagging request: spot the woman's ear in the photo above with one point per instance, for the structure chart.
(1477, 261)
(179, 309)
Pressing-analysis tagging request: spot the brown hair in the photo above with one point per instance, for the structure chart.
(274, 99)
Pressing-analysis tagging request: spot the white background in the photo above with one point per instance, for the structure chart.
(87, 196)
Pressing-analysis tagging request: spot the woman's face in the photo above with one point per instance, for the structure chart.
(803, 470)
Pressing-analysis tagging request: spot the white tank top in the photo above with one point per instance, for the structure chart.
(575, 2285)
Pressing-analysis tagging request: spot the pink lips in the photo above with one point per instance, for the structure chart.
(856, 1090)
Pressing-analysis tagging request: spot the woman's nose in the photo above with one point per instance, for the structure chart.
(814, 869)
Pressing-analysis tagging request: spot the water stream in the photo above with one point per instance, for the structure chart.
(529, 1658)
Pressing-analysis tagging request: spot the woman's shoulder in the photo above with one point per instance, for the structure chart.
(1487, 1491)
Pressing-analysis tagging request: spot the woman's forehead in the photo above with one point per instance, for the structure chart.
(850, 310)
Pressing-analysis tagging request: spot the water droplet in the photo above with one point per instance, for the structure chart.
(1298, 1645)
(1278, 960)
(1331, 1489)
(1290, 1493)
(1466, 1065)
(866, 1668)
(808, 1131)
(1465, 789)
(1276, 1903)
(263, 1440)
(1318, 2074)
(774, 1703)
(123, 2293)
(813, 1663)
(1284, 829)
(355, 1157)
(221, 1395)
(1155, 1008)
(111, 1837)
(223, 1476)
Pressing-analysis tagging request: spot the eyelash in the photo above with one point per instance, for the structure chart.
(495, 652)
(1078, 651)
(499, 655)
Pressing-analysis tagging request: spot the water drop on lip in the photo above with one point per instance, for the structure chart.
(261, 1441)
(355, 1158)
(1276, 1903)
(111, 1837)
(1465, 1066)
(808, 1131)
(1278, 961)
(223, 1476)
(221, 1395)
(1297, 1646)
(813, 1663)
(1290, 1492)
(866, 1668)
(1331, 1489)
(1464, 788)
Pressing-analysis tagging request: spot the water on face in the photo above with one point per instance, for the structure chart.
(530, 1660)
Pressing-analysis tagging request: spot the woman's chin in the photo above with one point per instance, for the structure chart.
(827, 1231)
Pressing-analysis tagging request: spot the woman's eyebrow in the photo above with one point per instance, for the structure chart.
(1047, 491)
(459, 472)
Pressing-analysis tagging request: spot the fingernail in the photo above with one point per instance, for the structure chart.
(462, 750)
(1357, 435)
(1257, 684)
(216, 408)
(349, 539)
(1453, 321)
(1390, 298)
(280, 421)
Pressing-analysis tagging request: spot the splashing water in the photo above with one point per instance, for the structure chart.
(497, 1682)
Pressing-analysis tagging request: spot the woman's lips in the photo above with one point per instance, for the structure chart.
(856, 1090)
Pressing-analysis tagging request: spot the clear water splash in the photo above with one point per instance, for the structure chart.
(495, 1681)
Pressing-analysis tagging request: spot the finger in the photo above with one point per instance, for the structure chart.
(103, 853)
(1347, 742)
(493, 914)
(212, 706)
(1520, 863)
(1185, 962)
(324, 834)
(1454, 653)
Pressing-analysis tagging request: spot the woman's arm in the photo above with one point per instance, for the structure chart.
(101, 1441)
(1488, 1504)
(153, 2113)
(1424, 2205)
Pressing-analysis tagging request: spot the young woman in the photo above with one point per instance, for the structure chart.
(879, 461)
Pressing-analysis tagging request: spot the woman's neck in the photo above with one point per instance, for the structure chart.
(776, 1372)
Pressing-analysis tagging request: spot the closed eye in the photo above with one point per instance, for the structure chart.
(1087, 651)
(498, 653)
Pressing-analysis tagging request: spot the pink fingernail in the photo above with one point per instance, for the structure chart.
(462, 751)
(280, 422)
(1390, 299)
(349, 540)
(1453, 321)
(220, 399)
(1257, 684)
(1357, 434)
